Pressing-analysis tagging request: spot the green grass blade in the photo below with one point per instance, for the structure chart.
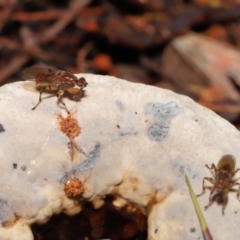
(203, 224)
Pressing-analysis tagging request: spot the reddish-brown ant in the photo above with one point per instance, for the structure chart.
(223, 179)
(56, 80)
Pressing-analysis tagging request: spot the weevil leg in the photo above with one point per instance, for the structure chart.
(232, 184)
(210, 198)
(59, 94)
(209, 204)
(211, 193)
(233, 173)
(238, 194)
(225, 194)
(40, 98)
(213, 167)
(203, 185)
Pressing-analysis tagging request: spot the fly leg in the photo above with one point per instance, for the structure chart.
(70, 148)
(59, 94)
(40, 98)
(77, 147)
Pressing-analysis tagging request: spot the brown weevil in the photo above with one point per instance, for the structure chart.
(222, 180)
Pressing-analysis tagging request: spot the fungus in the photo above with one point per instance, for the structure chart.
(141, 164)
(73, 187)
(70, 127)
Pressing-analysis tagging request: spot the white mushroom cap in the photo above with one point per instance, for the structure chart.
(140, 141)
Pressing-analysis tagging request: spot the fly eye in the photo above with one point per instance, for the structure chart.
(77, 97)
(81, 82)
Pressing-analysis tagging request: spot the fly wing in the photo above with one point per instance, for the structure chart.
(30, 73)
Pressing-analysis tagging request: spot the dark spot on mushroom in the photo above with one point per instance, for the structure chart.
(157, 132)
(192, 230)
(14, 165)
(135, 112)
(23, 167)
(156, 230)
(1, 128)
(118, 126)
(128, 134)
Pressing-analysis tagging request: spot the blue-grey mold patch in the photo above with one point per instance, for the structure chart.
(6, 212)
(1, 128)
(180, 168)
(158, 132)
(162, 114)
(120, 105)
(91, 160)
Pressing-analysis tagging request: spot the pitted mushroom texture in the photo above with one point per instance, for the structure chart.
(139, 142)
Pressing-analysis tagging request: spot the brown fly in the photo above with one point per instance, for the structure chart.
(51, 79)
(222, 179)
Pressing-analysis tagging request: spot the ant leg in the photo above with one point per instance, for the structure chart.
(203, 185)
(40, 98)
(225, 194)
(59, 94)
